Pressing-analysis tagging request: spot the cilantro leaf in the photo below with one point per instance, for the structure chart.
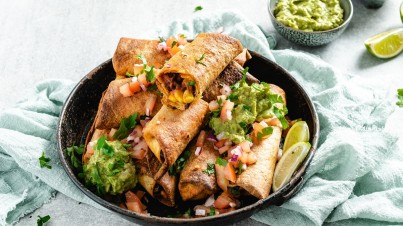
(256, 87)
(265, 131)
(161, 39)
(199, 61)
(232, 97)
(191, 83)
(99, 184)
(280, 115)
(130, 75)
(212, 211)
(198, 8)
(244, 72)
(239, 171)
(152, 87)
(44, 162)
(182, 36)
(210, 168)
(72, 152)
(234, 190)
(400, 97)
(221, 162)
(174, 43)
(150, 76)
(179, 163)
(275, 98)
(42, 220)
(125, 127)
(142, 58)
(104, 147)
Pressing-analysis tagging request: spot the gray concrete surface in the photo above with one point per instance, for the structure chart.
(42, 39)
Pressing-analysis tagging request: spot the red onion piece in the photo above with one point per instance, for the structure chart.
(198, 151)
(210, 201)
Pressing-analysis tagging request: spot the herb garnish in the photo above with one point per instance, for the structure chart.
(212, 211)
(199, 61)
(98, 181)
(232, 97)
(265, 131)
(198, 8)
(73, 152)
(130, 75)
(182, 36)
(239, 171)
(234, 190)
(400, 97)
(221, 162)
(179, 163)
(174, 43)
(116, 167)
(150, 77)
(279, 113)
(104, 147)
(191, 83)
(125, 127)
(210, 169)
(161, 39)
(44, 162)
(244, 73)
(152, 87)
(42, 220)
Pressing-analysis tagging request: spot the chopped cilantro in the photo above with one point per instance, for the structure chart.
(279, 113)
(275, 98)
(152, 87)
(232, 97)
(244, 72)
(98, 181)
(219, 101)
(198, 8)
(150, 76)
(42, 220)
(44, 162)
(221, 162)
(182, 36)
(400, 97)
(125, 127)
(104, 147)
(256, 87)
(265, 131)
(142, 58)
(73, 152)
(179, 163)
(246, 107)
(191, 83)
(215, 113)
(239, 171)
(116, 167)
(199, 61)
(161, 39)
(212, 211)
(210, 169)
(130, 75)
(174, 43)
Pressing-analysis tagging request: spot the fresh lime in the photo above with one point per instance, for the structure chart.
(401, 12)
(299, 132)
(387, 44)
(288, 163)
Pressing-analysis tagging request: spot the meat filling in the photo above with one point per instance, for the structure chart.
(180, 90)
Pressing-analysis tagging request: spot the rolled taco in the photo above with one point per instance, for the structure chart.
(189, 73)
(258, 178)
(113, 106)
(194, 182)
(170, 130)
(128, 49)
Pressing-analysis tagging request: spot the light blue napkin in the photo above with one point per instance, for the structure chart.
(354, 178)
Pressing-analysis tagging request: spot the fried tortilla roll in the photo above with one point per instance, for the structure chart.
(164, 189)
(194, 184)
(188, 74)
(257, 178)
(128, 49)
(229, 76)
(243, 57)
(113, 106)
(170, 131)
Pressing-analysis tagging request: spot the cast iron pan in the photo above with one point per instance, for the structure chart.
(81, 106)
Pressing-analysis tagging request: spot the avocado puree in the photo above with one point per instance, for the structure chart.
(113, 172)
(309, 15)
(252, 103)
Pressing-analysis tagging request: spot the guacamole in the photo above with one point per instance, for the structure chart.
(110, 169)
(309, 15)
(251, 103)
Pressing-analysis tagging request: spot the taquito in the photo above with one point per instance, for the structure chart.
(113, 106)
(170, 130)
(194, 184)
(189, 73)
(128, 50)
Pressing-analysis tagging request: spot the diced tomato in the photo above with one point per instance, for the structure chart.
(223, 149)
(273, 122)
(134, 87)
(251, 158)
(182, 40)
(133, 203)
(201, 138)
(143, 80)
(244, 157)
(226, 111)
(137, 68)
(170, 41)
(112, 132)
(245, 145)
(221, 99)
(257, 128)
(225, 90)
(150, 104)
(174, 50)
(222, 182)
(213, 105)
(229, 173)
(139, 151)
(125, 90)
(222, 201)
(220, 143)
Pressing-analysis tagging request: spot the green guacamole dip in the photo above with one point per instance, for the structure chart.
(252, 103)
(309, 15)
(111, 171)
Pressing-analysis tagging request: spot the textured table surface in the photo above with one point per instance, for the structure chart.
(41, 39)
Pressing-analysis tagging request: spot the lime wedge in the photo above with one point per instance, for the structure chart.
(401, 12)
(288, 163)
(387, 44)
(299, 132)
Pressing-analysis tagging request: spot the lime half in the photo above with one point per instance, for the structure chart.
(387, 44)
(288, 163)
(299, 132)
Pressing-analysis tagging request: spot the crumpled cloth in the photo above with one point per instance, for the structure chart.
(355, 176)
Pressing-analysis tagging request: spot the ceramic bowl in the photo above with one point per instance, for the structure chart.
(313, 38)
(81, 106)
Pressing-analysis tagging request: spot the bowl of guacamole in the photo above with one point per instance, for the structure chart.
(310, 22)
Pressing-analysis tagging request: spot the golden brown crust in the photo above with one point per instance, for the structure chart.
(113, 106)
(127, 51)
(173, 129)
(194, 184)
(218, 50)
(243, 57)
(257, 178)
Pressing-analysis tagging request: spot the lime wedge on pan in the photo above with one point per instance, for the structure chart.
(401, 12)
(299, 132)
(387, 44)
(288, 163)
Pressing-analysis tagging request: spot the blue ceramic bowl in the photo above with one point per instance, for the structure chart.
(313, 38)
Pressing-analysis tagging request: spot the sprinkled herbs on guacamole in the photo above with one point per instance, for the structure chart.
(251, 103)
(309, 15)
(111, 169)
